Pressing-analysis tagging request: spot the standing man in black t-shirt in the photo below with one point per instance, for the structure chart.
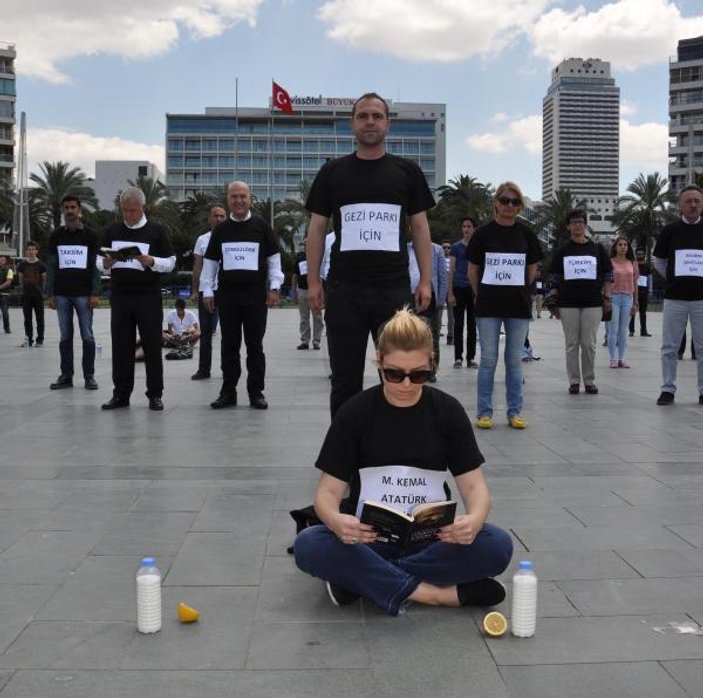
(370, 195)
(136, 298)
(32, 273)
(73, 283)
(245, 251)
(299, 287)
(643, 281)
(678, 257)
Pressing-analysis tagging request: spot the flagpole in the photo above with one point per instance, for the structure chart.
(236, 126)
(270, 173)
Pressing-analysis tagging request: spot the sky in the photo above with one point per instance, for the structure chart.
(96, 78)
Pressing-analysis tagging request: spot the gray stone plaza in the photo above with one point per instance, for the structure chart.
(604, 493)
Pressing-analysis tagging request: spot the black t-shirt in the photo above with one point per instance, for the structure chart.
(32, 284)
(301, 270)
(72, 262)
(681, 245)
(578, 271)
(129, 278)
(398, 455)
(503, 254)
(369, 201)
(242, 248)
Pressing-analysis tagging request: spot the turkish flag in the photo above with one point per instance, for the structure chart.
(281, 99)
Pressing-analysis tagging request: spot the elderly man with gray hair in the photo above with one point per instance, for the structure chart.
(136, 253)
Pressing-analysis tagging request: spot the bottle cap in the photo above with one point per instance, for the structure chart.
(525, 565)
(148, 561)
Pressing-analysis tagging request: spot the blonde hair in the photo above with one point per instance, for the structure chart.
(405, 331)
(503, 187)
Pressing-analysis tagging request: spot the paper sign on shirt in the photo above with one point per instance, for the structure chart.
(504, 269)
(132, 263)
(72, 256)
(689, 263)
(642, 281)
(370, 228)
(580, 267)
(240, 256)
(401, 486)
(303, 266)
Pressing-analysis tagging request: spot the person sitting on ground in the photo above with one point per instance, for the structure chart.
(183, 328)
(396, 442)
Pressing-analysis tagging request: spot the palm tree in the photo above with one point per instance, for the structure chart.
(7, 204)
(552, 213)
(288, 217)
(195, 211)
(645, 210)
(58, 179)
(155, 193)
(462, 196)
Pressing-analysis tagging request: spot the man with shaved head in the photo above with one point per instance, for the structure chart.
(242, 275)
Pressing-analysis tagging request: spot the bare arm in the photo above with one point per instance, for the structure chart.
(347, 528)
(314, 249)
(474, 270)
(477, 502)
(195, 284)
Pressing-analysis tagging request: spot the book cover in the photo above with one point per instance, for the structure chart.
(124, 254)
(394, 526)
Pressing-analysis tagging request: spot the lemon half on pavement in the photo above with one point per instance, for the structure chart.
(186, 614)
(495, 624)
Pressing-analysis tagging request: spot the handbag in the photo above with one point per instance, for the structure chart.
(607, 314)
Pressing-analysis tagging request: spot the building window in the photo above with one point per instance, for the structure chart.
(141, 171)
(192, 144)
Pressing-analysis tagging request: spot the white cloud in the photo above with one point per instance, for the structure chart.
(82, 149)
(627, 108)
(429, 30)
(50, 31)
(517, 132)
(628, 33)
(644, 146)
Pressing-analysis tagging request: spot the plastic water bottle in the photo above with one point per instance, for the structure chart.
(99, 350)
(148, 597)
(524, 608)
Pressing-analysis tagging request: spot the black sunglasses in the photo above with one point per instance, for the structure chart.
(505, 200)
(394, 375)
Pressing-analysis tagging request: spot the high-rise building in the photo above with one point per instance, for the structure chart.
(7, 111)
(686, 113)
(275, 152)
(112, 176)
(581, 137)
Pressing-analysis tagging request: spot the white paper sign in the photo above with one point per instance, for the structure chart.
(241, 256)
(401, 486)
(642, 281)
(72, 256)
(132, 263)
(303, 266)
(370, 228)
(504, 269)
(689, 263)
(580, 267)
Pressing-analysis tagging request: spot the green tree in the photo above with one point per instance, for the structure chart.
(57, 179)
(462, 196)
(155, 193)
(643, 212)
(551, 214)
(288, 216)
(195, 211)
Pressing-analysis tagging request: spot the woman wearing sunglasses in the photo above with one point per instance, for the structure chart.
(503, 258)
(394, 443)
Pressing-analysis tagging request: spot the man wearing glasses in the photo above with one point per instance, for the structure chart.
(370, 194)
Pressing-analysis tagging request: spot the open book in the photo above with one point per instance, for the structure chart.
(394, 526)
(124, 254)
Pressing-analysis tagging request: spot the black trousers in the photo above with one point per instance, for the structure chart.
(36, 304)
(642, 300)
(208, 324)
(464, 308)
(236, 316)
(352, 312)
(130, 313)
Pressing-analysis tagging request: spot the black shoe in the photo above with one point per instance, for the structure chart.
(666, 399)
(258, 402)
(700, 399)
(482, 592)
(316, 345)
(645, 334)
(680, 355)
(224, 400)
(156, 404)
(39, 343)
(90, 383)
(302, 345)
(62, 382)
(115, 403)
(199, 375)
(450, 341)
(591, 389)
(339, 596)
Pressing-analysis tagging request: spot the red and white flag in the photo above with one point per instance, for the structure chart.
(281, 99)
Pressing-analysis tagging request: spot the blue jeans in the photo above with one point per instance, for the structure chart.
(388, 574)
(489, 339)
(619, 325)
(65, 305)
